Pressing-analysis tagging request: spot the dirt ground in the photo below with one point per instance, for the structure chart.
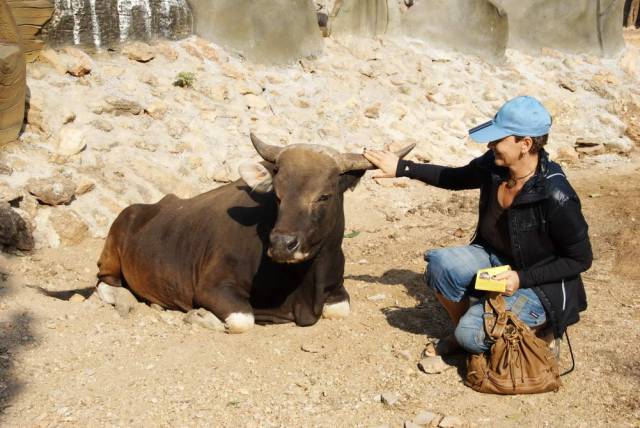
(81, 364)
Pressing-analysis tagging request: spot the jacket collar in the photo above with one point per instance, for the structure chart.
(534, 189)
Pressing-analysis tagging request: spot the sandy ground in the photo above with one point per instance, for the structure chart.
(79, 363)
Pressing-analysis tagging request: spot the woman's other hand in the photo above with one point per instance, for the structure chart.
(512, 279)
(384, 160)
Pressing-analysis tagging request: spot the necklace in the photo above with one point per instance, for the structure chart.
(511, 181)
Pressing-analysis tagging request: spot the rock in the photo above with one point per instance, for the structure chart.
(311, 348)
(110, 22)
(8, 193)
(565, 154)
(404, 354)
(156, 307)
(629, 62)
(119, 106)
(619, 145)
(125, 301)
(204, 318)
(14, 231)
(569, 86)
(373, 112)
(586, 146)
(29, 204)
(52, 58)
(138, 51)
(79, 63)
(269, 31)
(102, 125)
(409, 424)
(359, 17)
(451, 422)
(71, 141)
(156, 109)
(5, 169)
(167, 51)
(377, 297)
(30, 15)
(389, 398)
(69, 226)
(84, 186)
(53, 190)
(77, 298)
(433, 365)
(425, 418)
(12, 78)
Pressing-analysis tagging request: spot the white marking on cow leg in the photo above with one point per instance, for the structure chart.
(336, 310)
(107, 293)
(239, 322)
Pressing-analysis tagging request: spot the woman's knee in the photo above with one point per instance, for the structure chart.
(470, 331)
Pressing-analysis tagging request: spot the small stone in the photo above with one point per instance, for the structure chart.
(77, 298)
(85, 186)
(619, 145)
(102, 125)
(167, 51)
(138, 51)
(157, 109)
(79, 63)
(71, 141)
(156, 307)
(567, 85)
(425, 418)
(310, 347)
(451, 422)
(373, 112)
(53, 190)
(567, 155)
(8, 193)
(404, 354)
(409, 424)
(377, 297)
(69, 226)
(118, 106)
(52, 58)
(5, 169)
(125, 301)
(389, 398)
(205, 319)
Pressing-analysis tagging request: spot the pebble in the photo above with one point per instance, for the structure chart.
(451, 422)
(425, 418)
(389, 398)
(77, 298)
(204, 318)
(377, 297)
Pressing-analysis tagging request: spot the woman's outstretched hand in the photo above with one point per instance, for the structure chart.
(385, 160)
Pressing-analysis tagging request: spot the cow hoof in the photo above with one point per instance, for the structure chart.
(336, 310)
(239, 322)
(107, 293)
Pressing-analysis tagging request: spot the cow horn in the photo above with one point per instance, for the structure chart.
(266, 151)
(354, 162)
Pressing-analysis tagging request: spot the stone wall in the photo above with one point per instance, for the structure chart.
(106, 23)
(269, 31)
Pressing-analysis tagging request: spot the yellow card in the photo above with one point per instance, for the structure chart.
(485, 281)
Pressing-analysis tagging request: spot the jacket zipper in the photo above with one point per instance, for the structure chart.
(564, 296)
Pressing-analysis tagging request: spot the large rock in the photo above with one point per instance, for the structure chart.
(580, 26)
(14, 231)
(268, 31)
(359, 17)
(471, 26)
(106, 23)
(12, 77)
(30, 16)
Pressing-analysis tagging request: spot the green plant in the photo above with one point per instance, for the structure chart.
(185, 79)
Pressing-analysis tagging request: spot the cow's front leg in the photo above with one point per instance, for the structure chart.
(337, 305)
(228, 302)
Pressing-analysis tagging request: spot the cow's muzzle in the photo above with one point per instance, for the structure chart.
(285, 248)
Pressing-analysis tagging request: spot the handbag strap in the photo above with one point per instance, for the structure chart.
(494, 304)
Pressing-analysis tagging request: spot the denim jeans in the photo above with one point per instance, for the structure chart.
(451, 272)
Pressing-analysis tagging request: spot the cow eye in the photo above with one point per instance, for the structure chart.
(323, 198)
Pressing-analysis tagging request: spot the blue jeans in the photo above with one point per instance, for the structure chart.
(451, 272)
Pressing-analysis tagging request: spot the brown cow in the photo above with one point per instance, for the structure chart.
(266, 248)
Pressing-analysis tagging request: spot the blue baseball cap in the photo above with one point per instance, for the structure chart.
(522, 116)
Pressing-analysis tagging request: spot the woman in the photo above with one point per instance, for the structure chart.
(529, 218)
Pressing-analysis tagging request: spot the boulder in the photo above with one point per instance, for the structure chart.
(577, 26)
(52, 191)
(30, 16)
(12, 77)
(14, 231)
(266, 31)
(471, 26)
(359, 17)
(107, 23)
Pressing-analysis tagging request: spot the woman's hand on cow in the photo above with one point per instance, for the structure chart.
(385, 160)
(512, 279)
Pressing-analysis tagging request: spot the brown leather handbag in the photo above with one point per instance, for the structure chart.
(518, 362)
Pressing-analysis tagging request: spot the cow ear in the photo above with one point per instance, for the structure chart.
(256, 176)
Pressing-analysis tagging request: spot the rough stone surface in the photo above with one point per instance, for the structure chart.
(14, 231)
(69, 226)
(581, 26)
(71, 141)
(12, 77)
(359, 17)
(30, 15)
(108, 22)
(138, 51)
(52, 191)
(472, 26)
(268, 31)
(451, 422)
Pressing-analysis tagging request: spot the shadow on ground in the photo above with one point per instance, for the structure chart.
(15, 334)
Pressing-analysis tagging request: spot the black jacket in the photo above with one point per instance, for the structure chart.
(549, 235)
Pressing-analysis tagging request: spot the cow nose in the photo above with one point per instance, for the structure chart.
(288, 243)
